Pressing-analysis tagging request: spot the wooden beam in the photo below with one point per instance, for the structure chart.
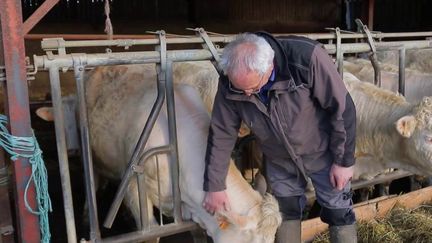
(377, 208)
(38, 15)
(371, 9)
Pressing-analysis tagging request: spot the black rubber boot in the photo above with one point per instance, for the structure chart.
(343, 234)
(289, 232)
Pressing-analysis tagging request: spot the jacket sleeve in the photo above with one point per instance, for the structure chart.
(222, 137)
(329, 90)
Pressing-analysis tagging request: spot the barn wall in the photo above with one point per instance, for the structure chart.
(237, 15)
(402, 15)
(288, 15)
(222, 15)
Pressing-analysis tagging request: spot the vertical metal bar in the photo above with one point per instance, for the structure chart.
(377, 70)
(159, 191)
(145, 222)
(19, 114)
(173, 142)
(62, 153)
(135, 156)
(340, 64)
(6, 213)
(339, 52)
(402, 55)
(38, 15)
(86, 155)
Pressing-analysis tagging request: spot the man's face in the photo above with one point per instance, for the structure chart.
(248, 82)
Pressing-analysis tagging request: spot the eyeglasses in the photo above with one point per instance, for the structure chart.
(255, 90)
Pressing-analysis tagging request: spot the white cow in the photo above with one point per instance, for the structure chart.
(417, 84)
(391, 133)
(119, 101)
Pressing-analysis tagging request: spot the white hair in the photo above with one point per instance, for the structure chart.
(248, 51)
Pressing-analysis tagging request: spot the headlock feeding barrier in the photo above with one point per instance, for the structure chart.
(58, 59)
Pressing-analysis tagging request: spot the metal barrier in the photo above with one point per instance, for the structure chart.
(164, 59)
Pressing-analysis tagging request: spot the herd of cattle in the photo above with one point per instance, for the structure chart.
(393, 131)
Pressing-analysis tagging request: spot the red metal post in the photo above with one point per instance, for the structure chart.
(38, 15)
(6, 230)
(19, 114)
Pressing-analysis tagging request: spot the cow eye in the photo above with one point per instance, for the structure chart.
(428, 139)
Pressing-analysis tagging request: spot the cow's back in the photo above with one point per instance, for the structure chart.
(417, 84)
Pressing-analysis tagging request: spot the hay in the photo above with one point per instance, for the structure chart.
(400, 225)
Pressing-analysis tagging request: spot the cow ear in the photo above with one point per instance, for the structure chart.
(225, 219)
(46, 113)
(406, 125)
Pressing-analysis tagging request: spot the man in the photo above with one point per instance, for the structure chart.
(291, 96)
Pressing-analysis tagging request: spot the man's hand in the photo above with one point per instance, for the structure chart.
(340, 176)
(216, 201)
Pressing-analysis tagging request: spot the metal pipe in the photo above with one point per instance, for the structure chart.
(377, 70)
(62, 153)
(119, 58)
(142, 193)
(121, 191)
(402, 56)
(161, 78)
(53, 44)
(339, 53)
(134, 158)
(129, 40)
(19, 115)
(195, 55)
(159, 192)
(6, 213)
(380, 46)
(86, 154)
(39, 37)
(173, 142)
(152, 233)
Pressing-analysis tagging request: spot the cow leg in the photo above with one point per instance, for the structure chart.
(423, 181)
(132, 202)
(427, 181)
(199, 236)
(361, 194)
(414, 183)
(99, 183)
(381, 190)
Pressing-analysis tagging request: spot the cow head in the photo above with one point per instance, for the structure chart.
(417, 132)
(69, 105)
(258, 226)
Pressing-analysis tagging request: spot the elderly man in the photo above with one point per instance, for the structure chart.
(290, 95)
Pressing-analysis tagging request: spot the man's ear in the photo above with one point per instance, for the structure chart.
(46, 113)
(406, 125)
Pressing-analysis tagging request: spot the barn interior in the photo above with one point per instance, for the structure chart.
(26, 23)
